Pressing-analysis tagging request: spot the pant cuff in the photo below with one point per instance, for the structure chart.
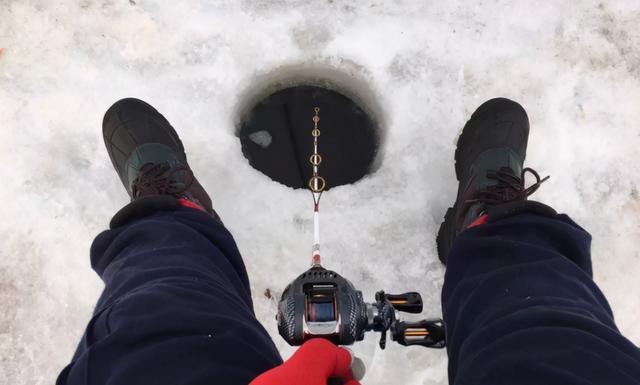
(505, 210)
(143, 207)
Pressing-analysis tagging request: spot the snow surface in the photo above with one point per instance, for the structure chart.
(574, 65)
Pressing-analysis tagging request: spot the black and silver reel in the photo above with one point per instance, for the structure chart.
(321, 303)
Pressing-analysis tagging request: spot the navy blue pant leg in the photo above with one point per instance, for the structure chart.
(521, 308)
(176, 308)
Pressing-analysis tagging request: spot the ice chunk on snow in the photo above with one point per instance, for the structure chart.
(261, 138)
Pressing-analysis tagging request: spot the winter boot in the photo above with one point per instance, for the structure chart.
(150, 160)
(489, 162)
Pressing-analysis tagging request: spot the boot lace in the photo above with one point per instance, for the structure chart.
(509, 187)
(162, 179)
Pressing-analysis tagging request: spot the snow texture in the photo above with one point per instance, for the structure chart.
(575, 66)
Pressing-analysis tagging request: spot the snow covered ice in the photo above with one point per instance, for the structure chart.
(575, 66)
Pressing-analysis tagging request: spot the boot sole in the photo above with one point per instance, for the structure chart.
(447, 231)
(446, 234)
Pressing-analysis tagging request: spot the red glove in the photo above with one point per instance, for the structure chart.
(314, 363)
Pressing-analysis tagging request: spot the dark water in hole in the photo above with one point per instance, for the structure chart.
(276, 137)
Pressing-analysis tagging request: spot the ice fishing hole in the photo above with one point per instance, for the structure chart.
(276, 136)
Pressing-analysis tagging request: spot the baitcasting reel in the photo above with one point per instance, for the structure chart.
(321, 303)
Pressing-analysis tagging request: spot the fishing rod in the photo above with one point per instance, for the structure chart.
(322, 304)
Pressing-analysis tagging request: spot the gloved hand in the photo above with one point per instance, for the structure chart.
(313, 363)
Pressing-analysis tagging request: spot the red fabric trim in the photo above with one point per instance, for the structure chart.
(188, 203)
(480, 221)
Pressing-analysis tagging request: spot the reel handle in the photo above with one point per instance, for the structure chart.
(427, 333)
(410, 302)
